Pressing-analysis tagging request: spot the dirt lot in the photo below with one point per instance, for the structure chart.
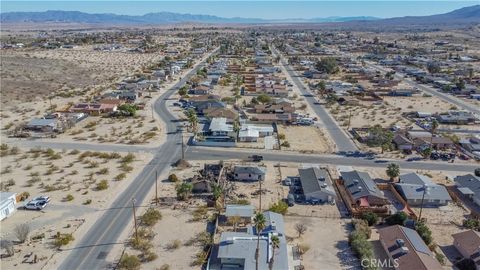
(78, 183)
(306, 139)
(328, 241)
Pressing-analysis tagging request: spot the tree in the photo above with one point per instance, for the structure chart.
(398, 218)
(184, 190)
(393, 170)
(275, 245)
(254, 101)
(173, 178)
(217, 191)
(460, 84)
(300, 228)
(378, 136)
(264, 98)
(192, 120)
(424, 232)
(280, 207)
(370, 217)
(21, 232)
(426, 152)
(260, 223)
(234, 221)
(183, 91)
(322, 87)
(130, 109)
(433, 128)
(327, 65)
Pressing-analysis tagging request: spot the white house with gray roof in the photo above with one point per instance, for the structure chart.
(236, 250)
(317, 185)
(249, 173)
(469, 186)
(412, 187)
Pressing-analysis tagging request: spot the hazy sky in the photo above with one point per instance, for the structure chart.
(249, 9)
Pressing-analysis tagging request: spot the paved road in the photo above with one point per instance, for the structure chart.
(431, 90)
(93, 248)
(338, 135)
(206, 153)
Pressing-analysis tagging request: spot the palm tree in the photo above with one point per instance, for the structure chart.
(260, 222)
(432, 130)
(275, 244)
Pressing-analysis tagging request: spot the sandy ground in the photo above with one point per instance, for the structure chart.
(418, 103)
(328, 242)
(306, 139)
(58, 176)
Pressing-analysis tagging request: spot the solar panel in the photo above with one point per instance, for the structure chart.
(416, 241)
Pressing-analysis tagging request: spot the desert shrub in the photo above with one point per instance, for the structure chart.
(424, 232)
(69, 198)
(103, 171)
(241, 202)
(151, 217)
(126, 168)
(173, 178)
(200, 213)
(303, 248)
(148, 256)
(281, 136)
(175, 244)
(129, 158)
(140, 243)
(280, 207)
(62, 239)
(102, 185)
(8, 246)
(74, 152)
(120, 176)
(87, 202)
(440, 258)
(165, 267)
(21, 232)
(200, 258)
(129, 262)
(146, 233)
(471, 223)
(285, 144)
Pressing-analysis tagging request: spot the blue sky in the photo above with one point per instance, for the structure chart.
(249, 9)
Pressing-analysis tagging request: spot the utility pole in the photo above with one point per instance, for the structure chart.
(425, 190)
(349, 118)
(183, 147)
(156, 187)
(152, 109)
(135, 219)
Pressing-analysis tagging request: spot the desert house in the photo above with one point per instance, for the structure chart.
(249, 173)
(8, 201)
(412, 187)
(406, 249)
(469, 186)
(317, 185)
(468, 243)
(362, 189)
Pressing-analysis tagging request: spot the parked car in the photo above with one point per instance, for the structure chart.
(42, 199)
(35, 205)
(287, 181)
(291, 200)
(477, 171)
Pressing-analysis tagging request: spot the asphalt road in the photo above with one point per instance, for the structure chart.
(432, 91)
(93, 248)
(206, 153)
(338, 135)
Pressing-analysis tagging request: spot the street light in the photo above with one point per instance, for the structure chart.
(134, 218)
(425, 191)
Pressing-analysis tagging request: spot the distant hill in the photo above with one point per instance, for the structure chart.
(467, 15)
(150, 18)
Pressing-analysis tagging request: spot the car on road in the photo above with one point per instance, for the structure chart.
(414, 159)
(256, 158)
(45, 199)
(35, 205)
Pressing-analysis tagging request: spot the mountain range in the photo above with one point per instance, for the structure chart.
(467, 15)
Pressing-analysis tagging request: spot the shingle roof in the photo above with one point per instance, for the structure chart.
(314, 179)
(411, 186)
(415, 253)
(471, 182)
(359, 184)
(469, 241)
(249, 169)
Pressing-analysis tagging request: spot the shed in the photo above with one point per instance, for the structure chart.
(7, 204)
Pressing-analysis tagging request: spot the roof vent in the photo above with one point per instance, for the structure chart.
(355, 181)
(404, 250)
(359, 188)
(400, 242)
